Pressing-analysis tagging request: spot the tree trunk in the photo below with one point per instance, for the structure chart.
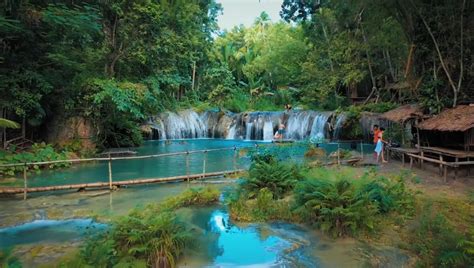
(440, 56)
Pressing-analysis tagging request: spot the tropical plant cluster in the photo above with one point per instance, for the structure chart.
(341, 203)
(39, 152)
(153, 236)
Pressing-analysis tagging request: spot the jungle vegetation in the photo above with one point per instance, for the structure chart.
(339, 202)
(118, 62)
(151, 236)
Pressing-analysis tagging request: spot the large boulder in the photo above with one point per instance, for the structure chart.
(64, 131)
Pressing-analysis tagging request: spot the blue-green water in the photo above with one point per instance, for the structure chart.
(30, 223)
(45, 231)
(172, 165)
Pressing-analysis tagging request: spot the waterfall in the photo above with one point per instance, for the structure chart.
(251, 125)
(248, 134)
(341, 119)
(299, 126)
(319, 128)
(157, 128)
(232, 132)
(267, 131)
(181, 125)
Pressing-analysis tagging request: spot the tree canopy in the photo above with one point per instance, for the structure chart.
(119, 62)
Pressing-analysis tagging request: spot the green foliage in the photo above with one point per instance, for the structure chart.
(192, 197)
(346, 206)
(5, 123)
(7, 260)
(115, 61)
(430, 98)
(262, 208)
(277, 177)
(220, 82)
(334, 206)
(157, 237)
(438, 244)
(39, 152)
(380, 107)
(118, 108)
(154, 234)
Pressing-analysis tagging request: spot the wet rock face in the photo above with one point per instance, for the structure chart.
(63, 131)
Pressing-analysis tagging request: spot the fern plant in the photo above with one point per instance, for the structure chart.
(334, 206)
(279, 178)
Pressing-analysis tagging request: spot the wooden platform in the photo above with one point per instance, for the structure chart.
(21, 190)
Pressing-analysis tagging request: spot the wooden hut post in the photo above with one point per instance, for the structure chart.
(25, 189)
(110, 172)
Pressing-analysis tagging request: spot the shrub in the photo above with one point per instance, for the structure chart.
(191, 197)
(262, 208)
(334, 206)
(39, 152)
(154, 234)
(438, 244)
(266, 172)
(8, 260)
(387, 195)
(344, 205)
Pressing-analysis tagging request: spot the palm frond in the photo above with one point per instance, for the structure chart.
(5, 123)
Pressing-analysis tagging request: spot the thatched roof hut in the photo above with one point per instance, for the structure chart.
(403, 113)
(460, 118)
(451, 128)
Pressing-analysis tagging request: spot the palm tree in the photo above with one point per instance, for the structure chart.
(5, 123)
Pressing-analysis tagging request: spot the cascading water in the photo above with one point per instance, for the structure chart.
(184, 124)
(248, 134)
(340, 120)
(299, 125)
(267, 131)
(319, 129)
(232, 133)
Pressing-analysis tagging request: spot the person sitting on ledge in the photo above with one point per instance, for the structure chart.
(280, 132)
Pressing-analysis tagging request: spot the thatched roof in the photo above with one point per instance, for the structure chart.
(460, 118)
(403, 113)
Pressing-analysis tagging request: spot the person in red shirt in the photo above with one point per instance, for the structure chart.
(376, 132)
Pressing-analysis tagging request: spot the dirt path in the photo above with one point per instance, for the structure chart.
(428, 179)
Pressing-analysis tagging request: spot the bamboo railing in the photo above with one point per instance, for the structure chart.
(111, 184)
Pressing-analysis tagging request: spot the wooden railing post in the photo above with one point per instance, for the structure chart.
(362, 149)
(235, 158)
(25, 189)
(204, 164)
(338, 155)
(187, 165)
(110, 172)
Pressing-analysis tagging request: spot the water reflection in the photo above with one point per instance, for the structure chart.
(244, 246)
